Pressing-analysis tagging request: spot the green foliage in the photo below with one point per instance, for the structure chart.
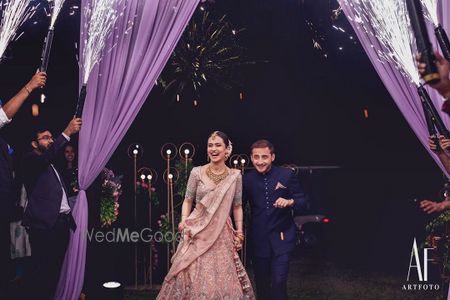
(439, 238)
(109, 200)
(184, 170)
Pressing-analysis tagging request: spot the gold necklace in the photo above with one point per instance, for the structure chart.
(216, 178)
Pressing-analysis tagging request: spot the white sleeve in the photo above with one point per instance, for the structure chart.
(66, 136)
(3, 118)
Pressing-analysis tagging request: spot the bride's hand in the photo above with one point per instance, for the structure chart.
(181, 226)
(237, 243)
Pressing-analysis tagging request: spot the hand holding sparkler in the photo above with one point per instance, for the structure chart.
(442, 145)
(433, 146)
(443, 67)
(13, 105)
(73, 127)
(417, 21)
(37, 81)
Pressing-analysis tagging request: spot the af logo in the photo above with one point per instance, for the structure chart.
(422, 270)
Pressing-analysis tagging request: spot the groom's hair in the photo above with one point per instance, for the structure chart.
(263, 144)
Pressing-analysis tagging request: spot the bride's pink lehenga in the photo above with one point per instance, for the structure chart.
(206, 265)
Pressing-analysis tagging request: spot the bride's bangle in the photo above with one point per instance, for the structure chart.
(240, 236)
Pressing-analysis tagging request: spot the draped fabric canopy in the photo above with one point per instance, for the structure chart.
(403, 92)
(116, 90)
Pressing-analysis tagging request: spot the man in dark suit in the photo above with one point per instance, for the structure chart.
(8, 193)
(48, 214)
(273, 193)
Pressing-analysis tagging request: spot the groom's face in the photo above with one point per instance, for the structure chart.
(262, 159)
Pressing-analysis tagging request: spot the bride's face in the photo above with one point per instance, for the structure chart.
(216, 149)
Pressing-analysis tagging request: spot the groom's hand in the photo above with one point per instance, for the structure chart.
(282, 203)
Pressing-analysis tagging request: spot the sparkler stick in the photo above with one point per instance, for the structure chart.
(80, 103)
(441, 36)
(100, 19)
(423, 43)
(57, 5)
(430, 125)
(13, 14)
(430, 110)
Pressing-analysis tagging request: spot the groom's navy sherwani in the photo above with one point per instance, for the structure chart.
(272, 233)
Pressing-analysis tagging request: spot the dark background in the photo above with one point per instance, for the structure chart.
(309, 106)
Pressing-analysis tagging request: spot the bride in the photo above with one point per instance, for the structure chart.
(206, 264)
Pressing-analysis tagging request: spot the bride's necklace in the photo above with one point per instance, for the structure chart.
(216, 178)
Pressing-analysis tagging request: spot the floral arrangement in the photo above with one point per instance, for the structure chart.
(438, 238)
(74, 186)
(109, 201)
(143, 191)
(165, 227)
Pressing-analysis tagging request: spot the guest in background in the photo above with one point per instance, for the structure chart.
(48, 214)
(68, 168)
(8, 191)
(20, 243)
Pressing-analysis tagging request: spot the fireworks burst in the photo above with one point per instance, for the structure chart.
(13, 13)
(326, 30)
(208, 54)
(388, 21)
(431, 10)
(57, 5)
(100, 19)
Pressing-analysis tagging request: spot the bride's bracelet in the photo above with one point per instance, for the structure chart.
(240, 235)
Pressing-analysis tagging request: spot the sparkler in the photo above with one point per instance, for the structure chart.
(14, 13)
(388, 21)
(441, 36)
(57, 5)
(100, 19)
(423, 43)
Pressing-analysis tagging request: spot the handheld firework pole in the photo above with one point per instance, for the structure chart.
(100, 18)
(390, 22)
(57, 5)
(441, 36)
(422, 41)
(14, 13)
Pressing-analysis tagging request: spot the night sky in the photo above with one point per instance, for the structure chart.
(309, 106)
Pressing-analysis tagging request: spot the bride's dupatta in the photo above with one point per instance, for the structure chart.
(205, 224)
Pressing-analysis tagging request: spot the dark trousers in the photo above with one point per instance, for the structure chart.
(271, 276)
(48, 248)
(5, 258)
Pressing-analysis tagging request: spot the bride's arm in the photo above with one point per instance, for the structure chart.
(185, 212)
(238, 216)
(191, 190)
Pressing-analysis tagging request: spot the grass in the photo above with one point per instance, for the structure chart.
(320, 280)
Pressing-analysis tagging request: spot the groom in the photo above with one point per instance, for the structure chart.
(273, 192)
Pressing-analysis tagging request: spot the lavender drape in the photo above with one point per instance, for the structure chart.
(117, 88)
(403, 92)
